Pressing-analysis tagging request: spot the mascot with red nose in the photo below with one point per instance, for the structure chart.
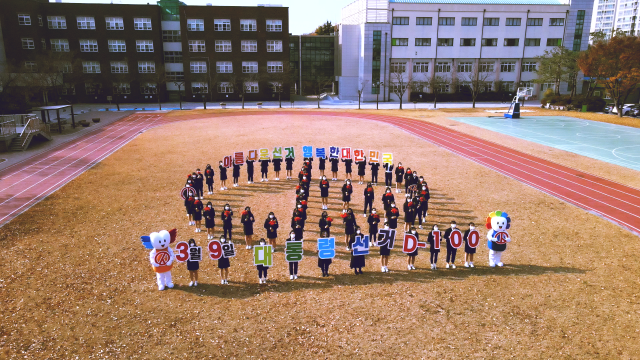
(161, 257)
(498, 223)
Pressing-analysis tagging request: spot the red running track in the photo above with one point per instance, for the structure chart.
(26, 183)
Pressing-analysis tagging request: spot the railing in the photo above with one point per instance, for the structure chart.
(7, 128)
(20, 119)
(33, 125)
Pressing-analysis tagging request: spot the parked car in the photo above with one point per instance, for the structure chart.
(635, 111)
(626, 109)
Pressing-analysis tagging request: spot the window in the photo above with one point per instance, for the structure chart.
(534, 22)
(43, 42)
(556, 22)
(175, 75)
(121, 88)
(276, 86)
(117, 46)
(146, 67)
(171, 36)
(423, 21)
(464, 86)
(469, 21)
(527, 84)
(487, 67)
(59, 45)
(223, 45)
(274, 67)
(529, 66)
(508, 86)
(27, 43)
(274, 25)
(274, 45)
(398, 67)
(531, 42)
(249, 46)
(465, 67)
(511, 42)
(443, 67)
(198, 67)
(423, 41)
(248, 25)
(24, 19)
(148, 88)
(195, 24)
(119, 67)
(114, 23)
(225, 88)
(142, 23)
(447, 21)
(57, 22)
(221, 25)
(400, 42)
(224, 67)
(554, 42)
(144, 45)
(173, 56)
(68, 89)
(90, 45)
(467, 42)
(65, 67)
(251, 87)
(487, 87)
(197, 46)
(489, 42)
(92, 88)
(40, 23)
(400, 21)
(444, 88)
(508, 66)
(31, 66)
(492, 22)
(445, 42)
(421, 67)
(513, 21)
(249, 67)
(86, 22)
(91, 67)
(199, 88)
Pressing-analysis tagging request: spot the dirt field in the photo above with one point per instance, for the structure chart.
(76, 281)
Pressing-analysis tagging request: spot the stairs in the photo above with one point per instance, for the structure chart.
(21, 143)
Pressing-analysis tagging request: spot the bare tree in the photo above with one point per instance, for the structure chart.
(400, 82)
(438, 84)
(320, 84)
(180, 85)
(476, 81)
(243, 83)
(361, 86)
(282, 80)
(159, 77)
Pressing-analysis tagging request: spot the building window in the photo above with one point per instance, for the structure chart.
(276, 86)
(444, 88)
(197, 46)
(173, 56)
(492, 22)
(511, 42)
(423, 41)
(221, 25)
(556, 22)
(534, 22)
(274, 45)
(68, 89)
(24, 19)
(487, 67)
(274, 25)
(146, 67)
(89, 45)
(531, 42)
(400, 21)
(40, 23)
(467, 42)
(508, 86)
(469, 21)
(91, 67)
(443, 67)
(86, 22)
(199, 88)
(225, 87)
(195, 24)
(398, 67)
(27, 43)
(57, 22)
(144, 45)
(148, 88)
(463, 86)
(223, 45)
(274, 67)
(421, 67)
(175, 76)
(249, 67)
(489, 42)
(529, 66)
(248, 25)
(400, 42)
(577, 36)
(513, 21)
(92, 88)
(198, 67)
(117, 46)
(251, 87)
(423, 21)
(487, 87)
(249, 46)
(142, 23)
(59, 45)
(465, 67)
(445, 42)
(114, 23)
(171, 36)
(121, 88)
(31, 66)
(508, 66)
(224, 67)
(119, 67)
(447, 21)
(526, 84)
(554, 42)
(65, 67)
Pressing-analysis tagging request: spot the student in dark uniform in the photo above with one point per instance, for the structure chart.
(264, 169)
(223, 265)
(387, 199)
(347, 190)
(289, 166)
(321, 165)
(199, 184)
(424, 197)
(249, 170)
(388, 174)
(349, 225)
(189, 181)
(374, 173)
(411, 257)
(208, 176)
(325, 225)
(362, 168)
(373, 220)
(305, 183)
(323, 264)
(223, 176)
(209, 215)
(384, 253)
(271, 225)
(309, 161)
(277, 165)
(302, 208)
(415, 182)
(434, 247)
(262, 270)
(347, 167)
(410, 209)
(190, 207)
(392, 216)
(247, 221)
(357, 261)
(324, 192)
(293, 265)
(193, 267)
(468, 250)
(334, 168)
(297, 225)
(227, 216)
(451, 251)
(236, 174)
(197, 213)
(369, 195)
(408, 179)
(399, 177)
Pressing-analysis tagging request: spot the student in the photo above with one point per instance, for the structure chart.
(271, 225)
(321, 165)
(451, 251)
(193, 267)
(373, 220)
(277, 164)
(264, 169)
(387, 199)
(369, 195)
(408, 179)
(303, 213)
(293, 265)
(416, 182)
(388, 173)
(223, 265)
(434, 248)
(199, 184)
(189, 206)
(357, 261)
(227, 217)
(323, 264)
(347, 167)
(309, 162)
(208, 175)
(236, 174)
(411, 257)
(247, 221)
(423, 196)
(189, 181)
(349, 225)
(374, 173)
(262, 270)
(249, 170)
(297, 224)
(347, 190)
(410, 209)
(197, 213)
(362, 167)
(468, 251)
(289, 166)
(392, 216)
(305, 183)
(324, 192)
(209, 220)
(223, 176)
(399, 177)
(384, 253)
(334, 168)
(325, 225)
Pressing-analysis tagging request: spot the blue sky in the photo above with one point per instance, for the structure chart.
(304, 15)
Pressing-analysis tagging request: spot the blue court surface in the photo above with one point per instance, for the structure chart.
(614, 144)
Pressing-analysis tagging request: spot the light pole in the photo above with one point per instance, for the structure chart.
(379, 83)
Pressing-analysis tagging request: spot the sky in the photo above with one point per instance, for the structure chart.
(304, 15)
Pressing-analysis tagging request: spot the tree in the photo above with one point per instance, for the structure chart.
(615, 64)
(361, 86)
(556, 66)
(160, 79)
(437, 84)
(325, 29)
(320, 84)
(281, 80)
(477, 81)
(180, 85)
(399, 82)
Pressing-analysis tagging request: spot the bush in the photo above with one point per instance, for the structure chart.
(546, 97)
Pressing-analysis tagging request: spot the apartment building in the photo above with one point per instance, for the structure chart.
(610, 15)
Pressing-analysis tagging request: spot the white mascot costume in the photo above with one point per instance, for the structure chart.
(161, 257)
(498, 223)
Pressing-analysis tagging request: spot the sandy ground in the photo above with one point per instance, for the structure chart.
(76, 280)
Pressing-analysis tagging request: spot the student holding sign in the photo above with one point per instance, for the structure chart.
(347, 167)
(357, 261)
(271, 225)
(411, 257)
(224, 264)
(347, 190)
(324, 192)
(236, 174)
(249, 163)
(375, 166)
(293, 254)
(262, 268)
(208, 176)
(326, 253)
(227, 216)
(277, 165)
(334, 168)
(247, 221)
(264, 169)
(325, 225)
(399, 176)
(434, 246)
(388, 173)
(223, 176)
(471, 241)
(386, 240)
(289, 166)
(321, 165)
(193, 266)
(452, 244)
(209, 215)
(362, 168)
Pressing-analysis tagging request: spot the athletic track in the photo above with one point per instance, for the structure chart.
(26, 183)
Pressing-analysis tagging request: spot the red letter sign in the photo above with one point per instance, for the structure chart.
(473, 239)
(358, 154)
(215, 250)
(238, 158)
(455, 239)
(253, 155)
(436, 239)
(182, 251)
(410, 243)
(345, 153)
(227, 161)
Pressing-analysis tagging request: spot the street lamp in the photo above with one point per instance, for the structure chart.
(378, 84)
